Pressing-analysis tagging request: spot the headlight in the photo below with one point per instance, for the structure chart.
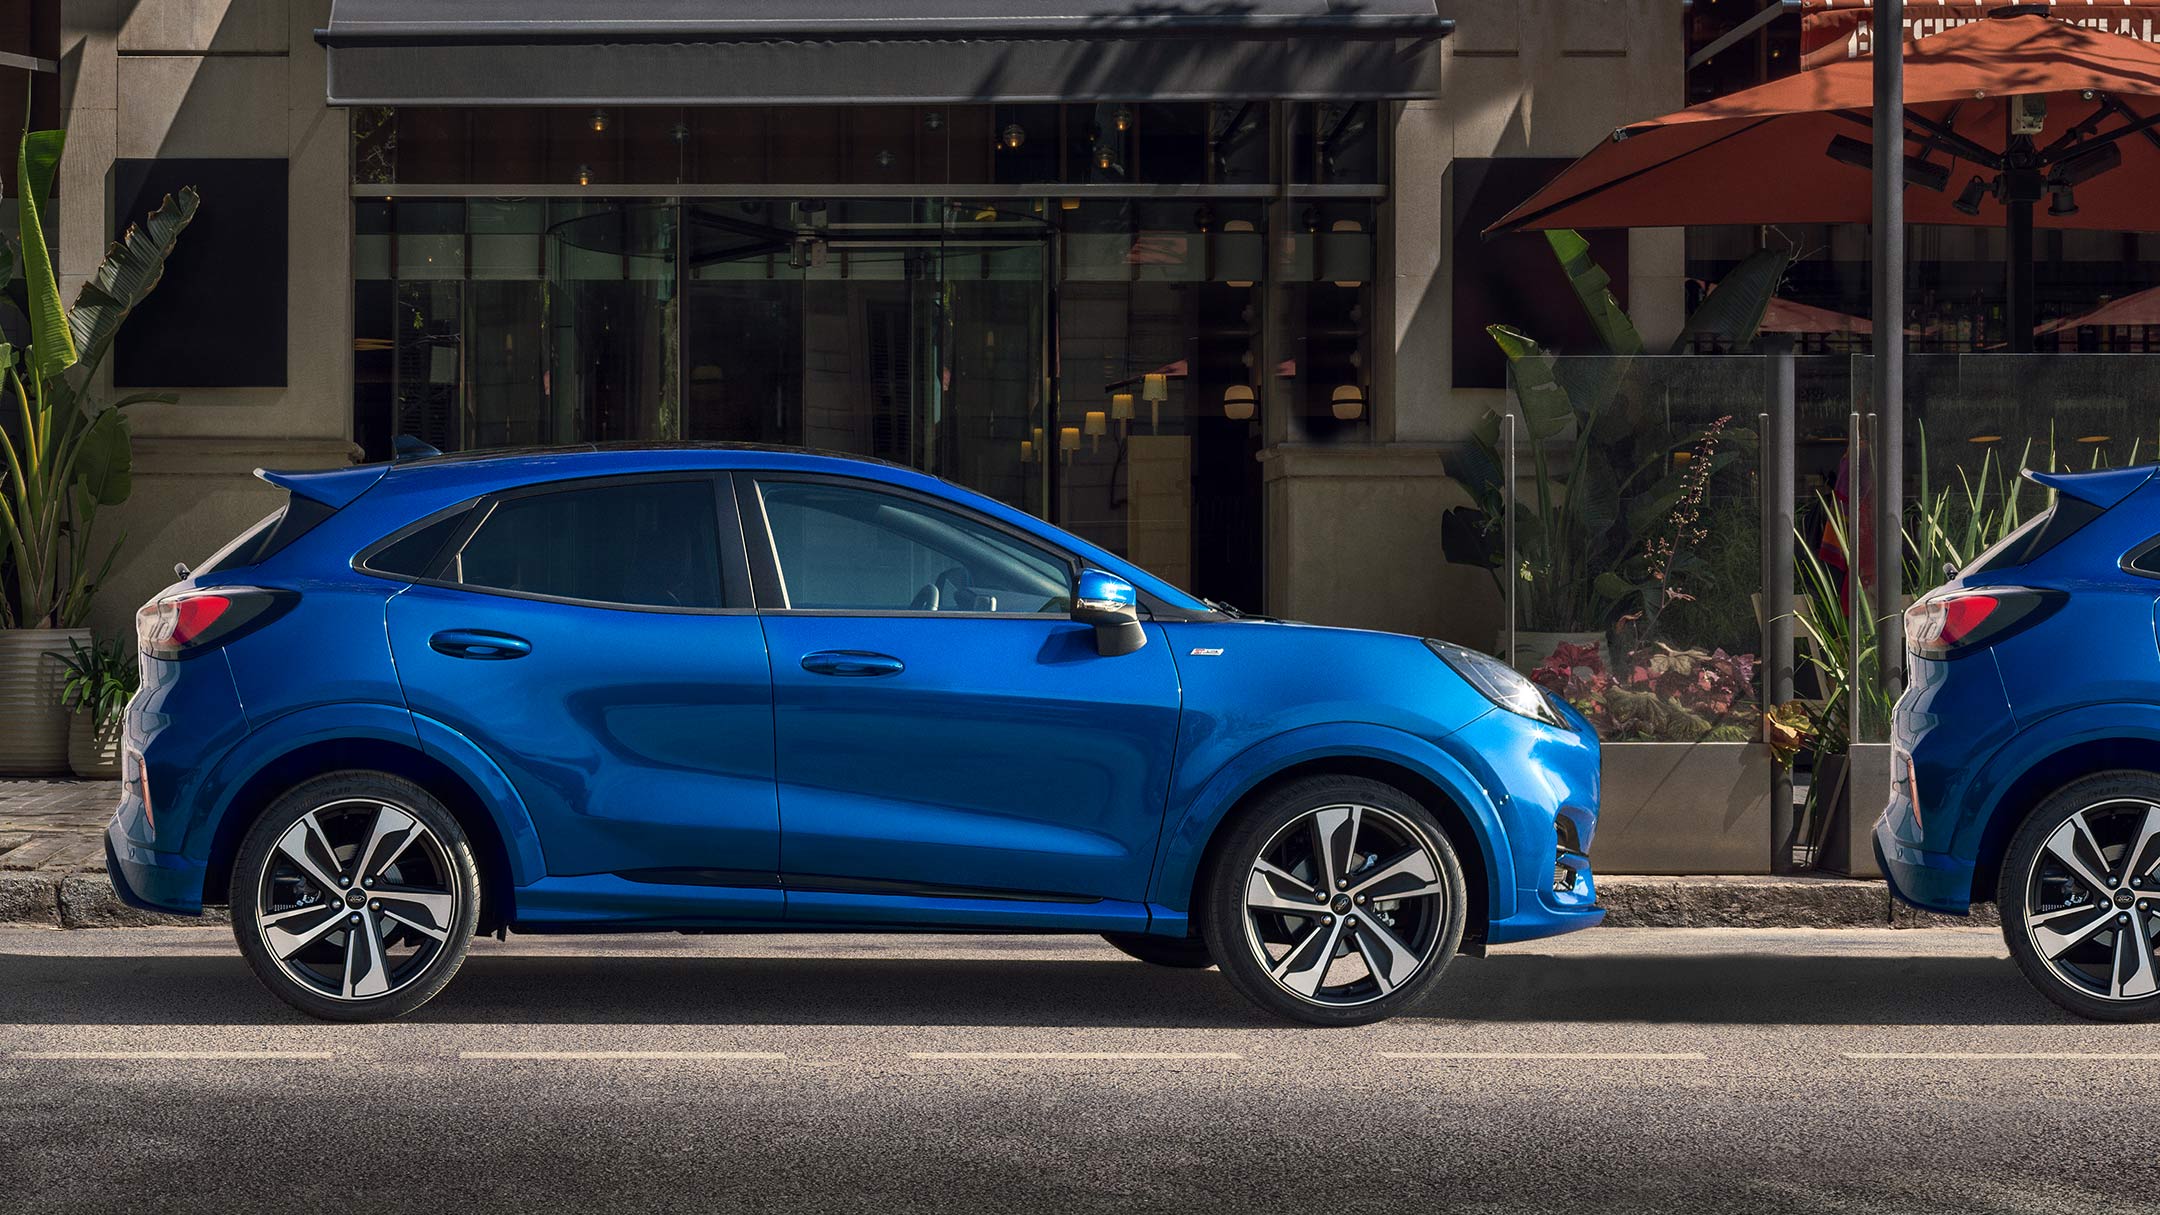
(1502, 684)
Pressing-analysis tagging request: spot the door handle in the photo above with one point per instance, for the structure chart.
(479, 643)
(856, 663)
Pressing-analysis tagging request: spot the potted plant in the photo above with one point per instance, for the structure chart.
(95, 691)
(65, 453)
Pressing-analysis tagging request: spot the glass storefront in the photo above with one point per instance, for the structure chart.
(1107, 345)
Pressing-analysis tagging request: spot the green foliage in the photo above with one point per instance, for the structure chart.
(99, 681)
(67, 454)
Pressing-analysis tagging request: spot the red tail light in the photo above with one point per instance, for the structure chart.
(1947, 625)
(192, 622)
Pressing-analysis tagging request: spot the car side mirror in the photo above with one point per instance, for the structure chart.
(1110, 604)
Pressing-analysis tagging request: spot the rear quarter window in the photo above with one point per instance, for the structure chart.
(2039, 534)
(272, 535)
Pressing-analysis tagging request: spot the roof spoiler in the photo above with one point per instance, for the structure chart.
(2102, 487)
(333, 487)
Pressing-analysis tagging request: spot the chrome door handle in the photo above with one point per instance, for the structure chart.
(479, 643)
(855, 663)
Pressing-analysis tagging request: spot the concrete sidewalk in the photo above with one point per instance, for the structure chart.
(52, 872)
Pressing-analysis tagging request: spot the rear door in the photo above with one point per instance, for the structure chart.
(944, 731)
(595, 638)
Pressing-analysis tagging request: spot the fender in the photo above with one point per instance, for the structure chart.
(1187, 836)
(281, 736)
(2040, 741)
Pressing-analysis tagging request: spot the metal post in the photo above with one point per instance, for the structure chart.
(1511, 563)
(1779, 477)
(2019, 248)
(1889, 339)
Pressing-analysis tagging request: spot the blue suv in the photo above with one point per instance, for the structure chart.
(2026, 748)
(742, 689)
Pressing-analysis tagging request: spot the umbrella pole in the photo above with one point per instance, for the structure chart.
(2020, 270)
(1888, 345)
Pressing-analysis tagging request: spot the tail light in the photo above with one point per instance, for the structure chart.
(192, 622)
(1945, 626)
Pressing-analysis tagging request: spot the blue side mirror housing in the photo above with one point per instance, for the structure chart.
(1112, 605)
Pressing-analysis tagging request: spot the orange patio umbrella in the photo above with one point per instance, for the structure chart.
(2136, 308)
(2000, 115)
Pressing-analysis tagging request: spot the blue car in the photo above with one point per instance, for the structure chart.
(2026, 747)
(745, 689)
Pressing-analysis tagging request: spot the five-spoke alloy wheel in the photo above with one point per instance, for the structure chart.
(2080, 896)
(354, 896)
(1335, 900)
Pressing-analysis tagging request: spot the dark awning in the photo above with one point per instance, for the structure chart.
(724, 52)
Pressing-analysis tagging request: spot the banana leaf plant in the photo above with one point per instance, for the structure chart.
(1593, 440)
(66, 453)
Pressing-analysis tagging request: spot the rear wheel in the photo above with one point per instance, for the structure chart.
(354, 896)
(1335, 900)
(1184, 953)
(2080, 896)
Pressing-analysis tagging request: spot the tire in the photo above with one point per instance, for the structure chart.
(1182, 953)
(2080, 896)
(1294, 951)
(297, 898)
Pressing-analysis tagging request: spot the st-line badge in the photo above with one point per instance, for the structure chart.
(1207, 653)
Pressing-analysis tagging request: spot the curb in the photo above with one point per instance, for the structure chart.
(82, 900)
(1766, 902)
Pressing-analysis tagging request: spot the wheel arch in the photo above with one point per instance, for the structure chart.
(1421, 770)
(2078, 759)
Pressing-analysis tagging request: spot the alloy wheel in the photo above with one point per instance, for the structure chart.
(1344, 904)
(356, 900)
(2092, 900)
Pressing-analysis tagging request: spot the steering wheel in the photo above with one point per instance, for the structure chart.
(952, 590)
(925, 600)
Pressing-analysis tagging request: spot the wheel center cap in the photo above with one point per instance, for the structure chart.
(355, 900)
(1341, 904)
(2123, 899)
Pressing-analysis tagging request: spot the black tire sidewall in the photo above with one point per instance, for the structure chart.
(261, 839)
(2011, 885)
(1223, 919)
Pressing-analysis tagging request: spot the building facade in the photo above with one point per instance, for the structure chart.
(1211, 299)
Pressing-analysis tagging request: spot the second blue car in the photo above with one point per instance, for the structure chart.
(746, 689)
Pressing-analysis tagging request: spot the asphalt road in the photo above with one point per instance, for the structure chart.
(1616, 1070)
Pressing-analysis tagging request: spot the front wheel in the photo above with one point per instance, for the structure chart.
(1335, 900)
(2080, 896)
(354, 896)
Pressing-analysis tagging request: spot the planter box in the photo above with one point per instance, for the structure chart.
(1673, 808)
(1848, 847)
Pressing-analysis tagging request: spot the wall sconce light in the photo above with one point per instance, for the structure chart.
(1121, 408)
(1097, 427)
(584, 175)
(1068, 204)
(1238, 403)
(1348, 225)
(1122, 120)
(599, 121)
(1027, 451)
(1012, 136)
(1068, 441)
(1239, 225)
(1105, 156)
(1348, 403)
(1155, 389)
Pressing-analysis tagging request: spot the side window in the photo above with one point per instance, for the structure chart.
(842, 548)
(641, 544)
(414, 555)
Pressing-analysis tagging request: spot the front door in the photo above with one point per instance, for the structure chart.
(590, 637)
(943, 730)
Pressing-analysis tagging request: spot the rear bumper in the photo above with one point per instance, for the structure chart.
(1932, 881)
(149, 880)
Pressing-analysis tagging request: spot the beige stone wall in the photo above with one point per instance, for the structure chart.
(1354, 536)
(213, 78)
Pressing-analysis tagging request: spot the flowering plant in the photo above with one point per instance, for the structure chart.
(1659, 693)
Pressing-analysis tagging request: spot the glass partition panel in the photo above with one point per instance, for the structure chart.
(1637, 542)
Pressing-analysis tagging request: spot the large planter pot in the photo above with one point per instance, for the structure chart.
(1532, 648)
(1857, 790)
(33, 726)
(1682, 808)
(93, 754)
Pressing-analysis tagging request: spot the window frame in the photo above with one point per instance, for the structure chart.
(735, 581)
(764, 553)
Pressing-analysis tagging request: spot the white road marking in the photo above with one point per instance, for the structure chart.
(1994, 1056)
(1631, 1056)
(1074, 1054)
(171, 1054)
(620, 1054)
